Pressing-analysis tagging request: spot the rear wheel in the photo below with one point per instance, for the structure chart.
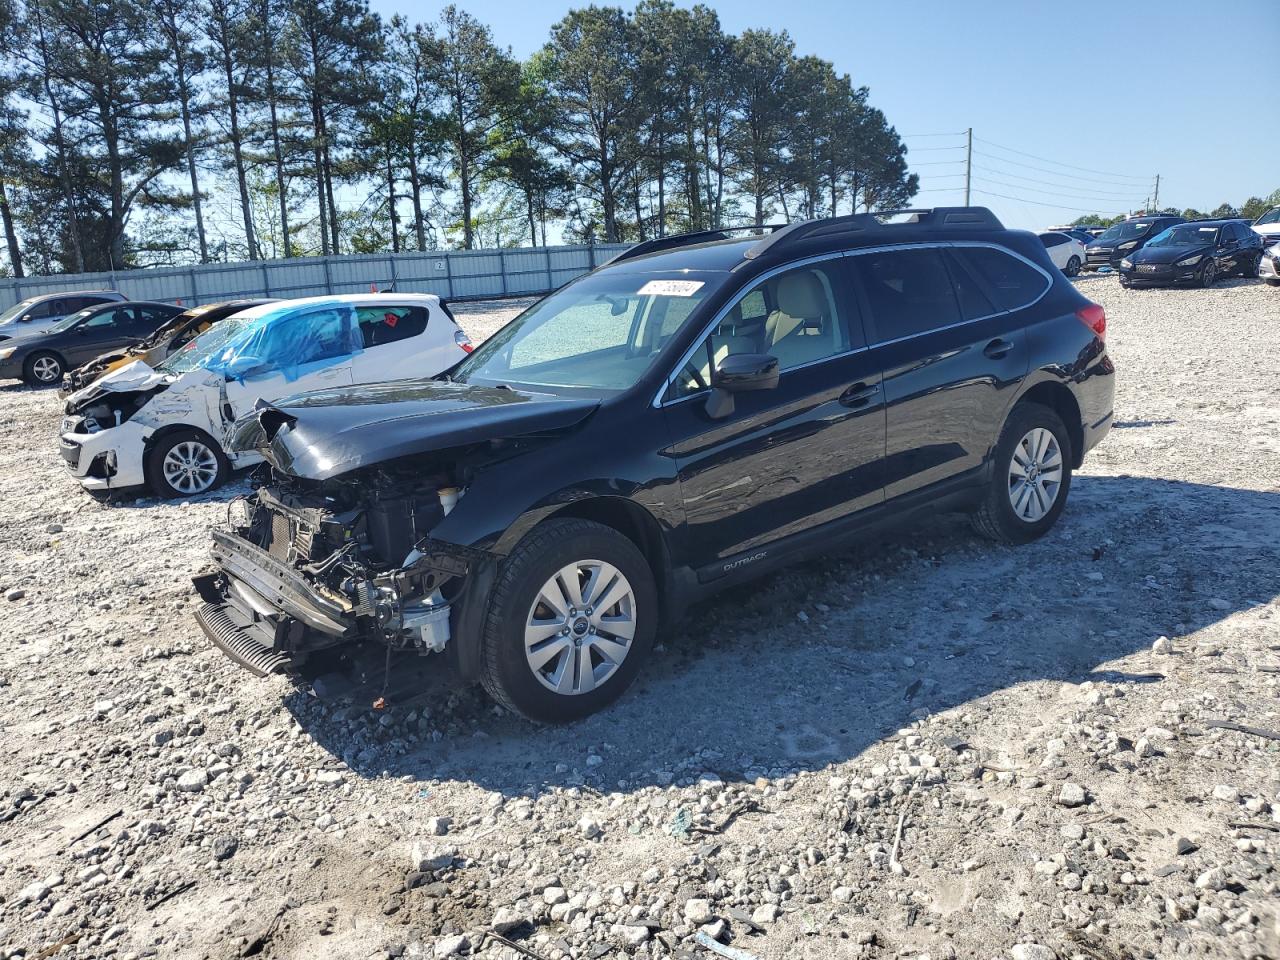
(43, 369)
(1273, 283)
(1073, 267)
(1030, 477)
(185, 463)
(571, 620)
(1208, 273)
(1250, 268)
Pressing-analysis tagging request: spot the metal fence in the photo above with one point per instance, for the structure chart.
(451, 274)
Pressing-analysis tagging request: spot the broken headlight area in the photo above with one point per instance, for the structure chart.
(105, 410)
(306, 566)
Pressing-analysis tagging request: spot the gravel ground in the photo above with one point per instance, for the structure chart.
(929, 746)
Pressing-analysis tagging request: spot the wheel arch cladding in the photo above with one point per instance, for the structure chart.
(635, 523)
(1061, 401)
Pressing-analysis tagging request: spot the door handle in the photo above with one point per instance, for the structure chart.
(859, 395)
(997, 348)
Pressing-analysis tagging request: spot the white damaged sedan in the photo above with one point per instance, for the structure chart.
(164, 427)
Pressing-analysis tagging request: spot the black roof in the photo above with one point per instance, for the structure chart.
(714, 251)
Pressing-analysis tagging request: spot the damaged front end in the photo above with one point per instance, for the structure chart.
(308, 566)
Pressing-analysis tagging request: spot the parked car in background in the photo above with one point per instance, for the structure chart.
(1066, 252)
(41, 358)
(1269, 265)
(164, 426)
(697, 412)
(1268, 226)
(1077, 233)
(37, 314)
(1121, 239)
(171, 336)
(1196, 252)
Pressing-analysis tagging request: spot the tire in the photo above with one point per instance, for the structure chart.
(1208, 273)
(1073, 267)
(1273, 283)
(43, 369)
(164, 464)
(521, 677)
(1250, 269)
(996, 517)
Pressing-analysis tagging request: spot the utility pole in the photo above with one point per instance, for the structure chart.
(1155, 204)
(968, 165)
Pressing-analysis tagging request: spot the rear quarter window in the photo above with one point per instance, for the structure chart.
(1013, 282)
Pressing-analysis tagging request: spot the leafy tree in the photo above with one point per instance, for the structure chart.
(590, 64)
(14, 152)
(230, 27)
(476, 81)
(760, 139)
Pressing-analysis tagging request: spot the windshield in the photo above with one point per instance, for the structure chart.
(17, 310)
(66, 323)
(198, 349)
(600, 333)
(1185, 235)
(1271, 216)
(1125, 231)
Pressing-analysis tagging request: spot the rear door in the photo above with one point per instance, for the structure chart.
(952, 355)
(400, 341)
(786, 460)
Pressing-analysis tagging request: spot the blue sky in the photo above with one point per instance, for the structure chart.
(1128, 90)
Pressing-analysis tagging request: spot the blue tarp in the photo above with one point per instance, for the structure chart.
(285, 340)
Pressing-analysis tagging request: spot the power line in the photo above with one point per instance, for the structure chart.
(1050, 183)
(932, 149)
(1066, 196)
(1056, 206)
(1059, 173)
(937, 163)
(1069, 166)
(913, 136)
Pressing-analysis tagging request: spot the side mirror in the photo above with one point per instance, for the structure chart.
(242, 367)
(739, 373)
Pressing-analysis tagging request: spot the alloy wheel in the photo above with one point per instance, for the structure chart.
(1208, 275)
(46, 369)
(1035, 475)
(190, 467)
(580, 627)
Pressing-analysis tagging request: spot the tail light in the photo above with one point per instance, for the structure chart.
(462, 340)
(1095, 318)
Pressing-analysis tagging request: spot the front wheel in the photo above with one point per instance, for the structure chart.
(1030, 477)
(1273, 283)
(1208, 274)
(1073, 267)
(571, 620)
(185, 463)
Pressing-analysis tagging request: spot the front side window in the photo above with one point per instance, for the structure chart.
(120, 317)
(1013, 282)
(909, 292)
(795, 317)
(600, 333)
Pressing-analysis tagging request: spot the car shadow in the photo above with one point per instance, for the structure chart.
(813, 666)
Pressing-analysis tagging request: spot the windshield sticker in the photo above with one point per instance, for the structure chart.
(670, 288)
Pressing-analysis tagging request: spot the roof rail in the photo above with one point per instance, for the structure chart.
(687, 239)
(936, 218)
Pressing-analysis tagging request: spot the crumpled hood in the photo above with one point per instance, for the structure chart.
(131, 377)
(327, 433)
(1169, 254)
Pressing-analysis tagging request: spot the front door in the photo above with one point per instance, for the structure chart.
(106, 330)
(786, 460)
(294, 354)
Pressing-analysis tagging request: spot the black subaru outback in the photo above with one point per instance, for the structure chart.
(697, 412)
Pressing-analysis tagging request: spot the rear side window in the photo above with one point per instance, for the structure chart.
(973, 302)
(1013, 282)
(908, 291)
(1051, 240)
(383, 325)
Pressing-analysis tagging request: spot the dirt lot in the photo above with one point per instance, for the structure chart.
(927, 747)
